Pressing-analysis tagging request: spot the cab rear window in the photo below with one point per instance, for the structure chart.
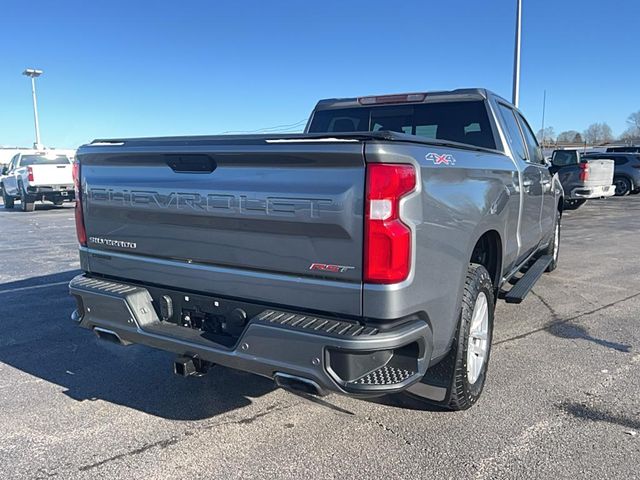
(463, 122)
(27, 160)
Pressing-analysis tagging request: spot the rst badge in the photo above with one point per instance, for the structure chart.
(437, 159)
(324, 267)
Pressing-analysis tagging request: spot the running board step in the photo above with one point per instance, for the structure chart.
(524, 285)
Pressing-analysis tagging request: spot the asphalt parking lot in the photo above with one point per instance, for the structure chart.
(562, 398)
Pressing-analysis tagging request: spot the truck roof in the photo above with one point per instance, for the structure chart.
(275, 137)
(428, 96)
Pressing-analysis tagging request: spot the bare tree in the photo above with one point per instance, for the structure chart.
(598, 133)
(546, 136)
(632, 133)
(568, 136)
(634, 120)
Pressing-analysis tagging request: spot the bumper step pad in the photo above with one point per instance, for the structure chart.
(386, 375)
(315, 324)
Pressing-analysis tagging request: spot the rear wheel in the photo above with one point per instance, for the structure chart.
(623, 186)
(58, 202)
(468, 359)
(27, 203)
(7, 199)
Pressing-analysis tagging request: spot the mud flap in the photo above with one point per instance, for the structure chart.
(436, 384)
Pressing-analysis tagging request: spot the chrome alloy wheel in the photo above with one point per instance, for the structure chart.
(478, 343)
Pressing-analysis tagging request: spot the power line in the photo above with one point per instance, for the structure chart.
(287, 126)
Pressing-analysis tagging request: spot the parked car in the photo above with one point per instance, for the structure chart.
(624, 149)
(626, 177)
(582, 177)
(37, 175)
(362, 257)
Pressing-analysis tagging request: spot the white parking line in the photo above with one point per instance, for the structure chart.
(33, 287)
(32, 247)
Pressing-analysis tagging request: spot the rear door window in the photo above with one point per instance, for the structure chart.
(535, 152)
(514, 135)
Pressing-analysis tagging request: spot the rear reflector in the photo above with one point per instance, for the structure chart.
(403, 98)
(387, 249)
(80, 229)
(584, 171)
(30, 174)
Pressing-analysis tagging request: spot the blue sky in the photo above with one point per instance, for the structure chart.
(142, 68)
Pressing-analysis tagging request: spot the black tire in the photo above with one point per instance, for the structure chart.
(623, 186)
(7, 200)
(461, 393)
(27, 203)
(58, 203)
(574, 204)
(551, 248)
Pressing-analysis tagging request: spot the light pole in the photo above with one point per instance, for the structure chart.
(33, 74)
(544, 107)
(516, 56)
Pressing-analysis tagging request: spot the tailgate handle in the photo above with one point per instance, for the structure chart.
(61, 166)
(191, 163)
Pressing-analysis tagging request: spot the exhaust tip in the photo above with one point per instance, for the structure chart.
(76, 316)
(297, 384)
(108, 335)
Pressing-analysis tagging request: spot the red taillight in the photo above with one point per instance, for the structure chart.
(30, 174)
(80, 230)
(584, 171)
(387, 246)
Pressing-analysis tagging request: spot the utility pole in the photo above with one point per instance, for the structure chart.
(544, 106)
(515, 99)
(33, 74)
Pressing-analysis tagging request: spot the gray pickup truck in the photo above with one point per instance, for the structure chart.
(582, 177)
(362, 257)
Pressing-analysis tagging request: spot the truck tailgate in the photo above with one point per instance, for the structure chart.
(600, 173)
(266, 207)
(52, 175)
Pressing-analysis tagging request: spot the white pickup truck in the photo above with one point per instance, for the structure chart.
(37, 175)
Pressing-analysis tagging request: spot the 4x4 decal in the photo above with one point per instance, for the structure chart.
(437, 159)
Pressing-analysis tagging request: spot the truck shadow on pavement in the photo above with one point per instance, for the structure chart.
(572, 331)
(568, 329)
(584, 412)
(38, 338)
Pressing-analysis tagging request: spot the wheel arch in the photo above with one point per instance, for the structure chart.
(487, 252)
(627, 177)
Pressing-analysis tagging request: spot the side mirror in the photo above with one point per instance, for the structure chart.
(5, 170)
